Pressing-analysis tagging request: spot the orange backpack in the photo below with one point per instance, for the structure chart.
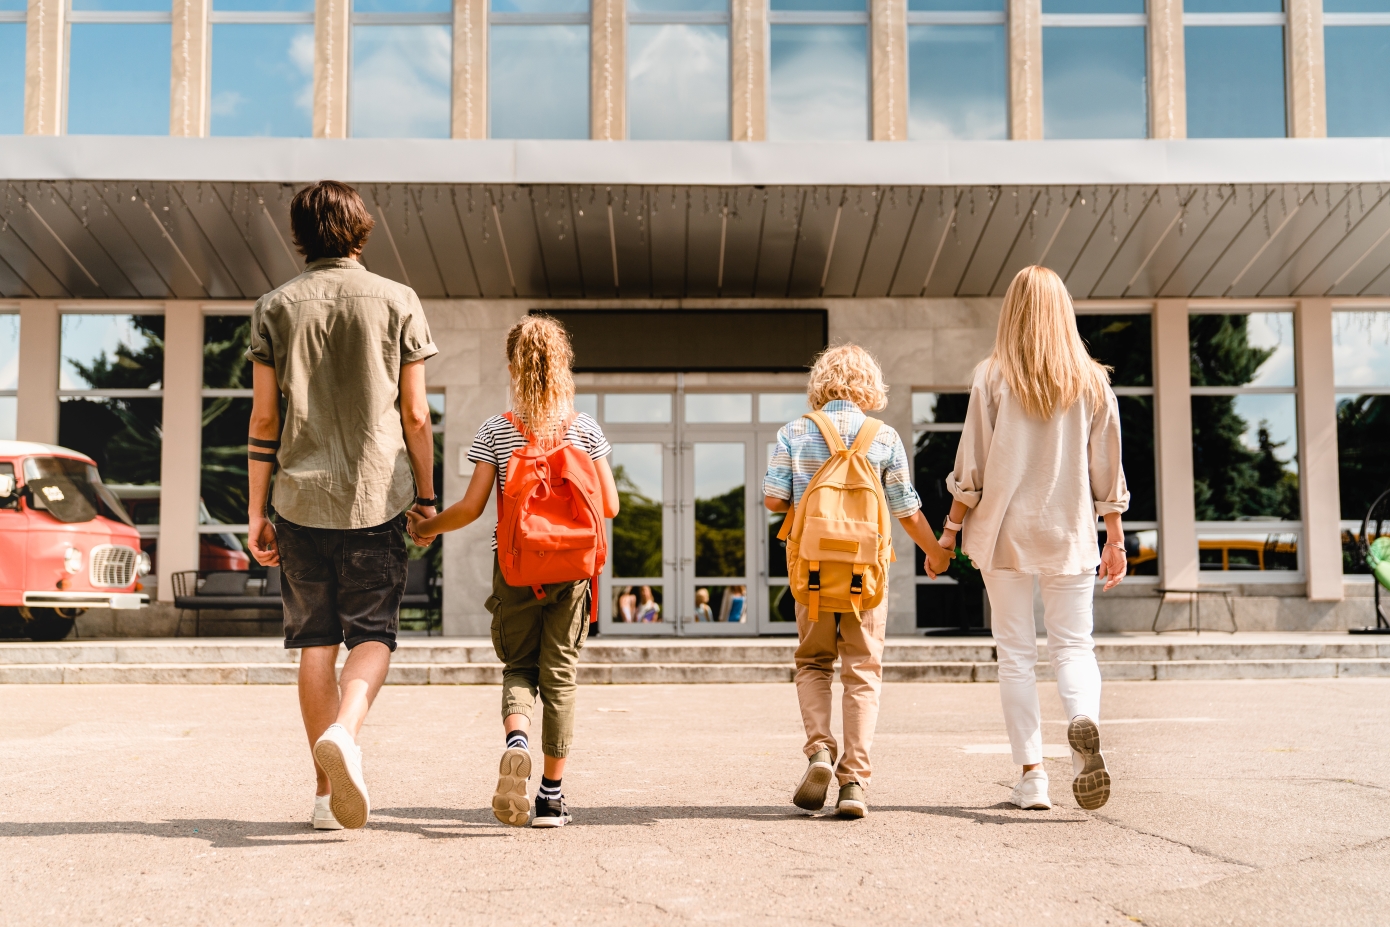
(550, 516)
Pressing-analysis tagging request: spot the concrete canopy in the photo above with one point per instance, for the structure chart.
(88, 217)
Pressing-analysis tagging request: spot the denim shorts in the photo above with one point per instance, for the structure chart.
(342, 585)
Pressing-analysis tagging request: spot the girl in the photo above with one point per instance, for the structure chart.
(537, 639)
(1038, 462)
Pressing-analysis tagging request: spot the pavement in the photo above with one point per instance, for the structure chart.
(1251, 802)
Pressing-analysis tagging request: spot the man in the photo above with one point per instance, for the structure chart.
(346, 350)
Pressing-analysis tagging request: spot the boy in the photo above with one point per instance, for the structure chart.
(844, 382)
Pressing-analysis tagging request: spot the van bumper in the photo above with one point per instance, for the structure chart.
(126, 600)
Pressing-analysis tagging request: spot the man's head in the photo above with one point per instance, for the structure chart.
(329, 220)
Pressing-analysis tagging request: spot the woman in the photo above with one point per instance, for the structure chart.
(648, 609)
(1038, 462)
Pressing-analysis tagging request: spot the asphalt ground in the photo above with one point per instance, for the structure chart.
(1241, 802)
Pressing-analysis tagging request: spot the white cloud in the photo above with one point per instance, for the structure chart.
(401, 81)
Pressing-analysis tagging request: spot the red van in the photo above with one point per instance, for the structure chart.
(66, 542)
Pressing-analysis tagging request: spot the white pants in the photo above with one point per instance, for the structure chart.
(1068, 617)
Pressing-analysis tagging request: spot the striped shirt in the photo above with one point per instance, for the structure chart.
(801, 451)
(498, 438)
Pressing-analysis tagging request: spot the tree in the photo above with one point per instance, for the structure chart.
(636, 530)
(720, 533)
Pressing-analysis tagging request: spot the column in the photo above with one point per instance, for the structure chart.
(1025, 70)
(1177, 512)
(44, 68)
(1307, 76)
(39, 343)
(180, 462)
(188, 89)
(470, 69)
(888, 25)
(748, 38)
(332, 38)
(1317, 450)
(1167, 71)
(608, 70)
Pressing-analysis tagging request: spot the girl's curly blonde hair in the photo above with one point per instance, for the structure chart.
(847, 371)
(539, 352)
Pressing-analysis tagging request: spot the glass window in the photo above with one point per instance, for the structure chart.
(1125, 343)
(1361, 372)
(1356, 43)
(262, 67)
(538, 69)
(226, 414)
(1245, 440)
(13, 17)
(957, 78)
(9, 373)
(587, 403)
(720, 528)
(1094, 69)
(402, 69)
(781, 407)
(1235, 68)
(818, 70)
(678, 69)
(638, 533)
(119, 67)
(637, 408)
(718, 407)
(956, 599)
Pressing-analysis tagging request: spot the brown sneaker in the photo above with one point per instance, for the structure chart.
(1092, 784)
(810, 791)
(510, 803)
(851, 803)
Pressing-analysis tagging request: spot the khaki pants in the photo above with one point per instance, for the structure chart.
(538, 641)
(858, 642)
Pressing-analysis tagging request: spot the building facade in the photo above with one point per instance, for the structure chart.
(1208, 177)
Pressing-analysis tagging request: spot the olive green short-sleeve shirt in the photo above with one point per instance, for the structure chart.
(337, 336)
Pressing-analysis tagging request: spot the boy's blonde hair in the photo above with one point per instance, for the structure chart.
(539, 352)
(1038, 349)
(847, 371)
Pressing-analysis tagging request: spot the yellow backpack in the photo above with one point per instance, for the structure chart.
(840, 538)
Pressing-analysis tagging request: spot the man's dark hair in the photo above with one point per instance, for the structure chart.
(329, 220)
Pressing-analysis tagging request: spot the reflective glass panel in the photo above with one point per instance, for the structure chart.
(1137, 456)
(844, 5)
(401, 81)
(436, 403)
(262, 79)
(728, 604)
(678, 6)
(1252, 551)
(112, 352)
(1363, 451)
(1093, 6)
(124, 5)
(118, 78)
(9, 350)
(983, 6)
(1356, 6)
(1235, 81)
(720, 528)
(952, 605)
(12, 49)
(1361, 348)
(402, 6)
(587, 403)
(776, 548)
(637, 408)
(957, 82)
(224, 459)
(819, 83)
(637, 604)
(678, 81)
(1242, 350)
(718, 407)
(121, 435)
(1244, 457)
(1358, 71)
(780, 604)
(1094, 83)
(637, 530)
(287, 6)
(781, 407)
(939, 408)
(9, 407)
(540, 6)
(1124, 342)
(225, 340)
(538, 81)
(1233, 6)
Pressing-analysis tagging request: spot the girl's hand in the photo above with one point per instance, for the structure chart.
(1112, 565)
(420, 528)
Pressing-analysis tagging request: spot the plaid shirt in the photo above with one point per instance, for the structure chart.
(801, 451)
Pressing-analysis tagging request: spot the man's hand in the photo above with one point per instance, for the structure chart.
(261, 537)
(414, 518)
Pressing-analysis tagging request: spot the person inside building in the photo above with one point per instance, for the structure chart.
(702, 609)
(346, 350)
(538, 627)
(845, 381)
(1038, 463)
(648, 608)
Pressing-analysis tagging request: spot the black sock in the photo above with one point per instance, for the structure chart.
(550, 789)
(518, 739)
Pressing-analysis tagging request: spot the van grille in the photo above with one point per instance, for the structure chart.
(113, 565)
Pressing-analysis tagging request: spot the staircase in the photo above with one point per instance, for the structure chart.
(469, 661)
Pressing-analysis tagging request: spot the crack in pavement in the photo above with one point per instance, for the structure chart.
(1199, 850)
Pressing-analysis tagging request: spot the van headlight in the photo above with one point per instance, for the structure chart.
(72, 560)
(142, 564)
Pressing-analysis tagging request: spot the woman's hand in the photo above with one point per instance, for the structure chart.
(1113, 564)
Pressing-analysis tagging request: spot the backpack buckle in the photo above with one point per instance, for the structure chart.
(813, 581)
(856, 583)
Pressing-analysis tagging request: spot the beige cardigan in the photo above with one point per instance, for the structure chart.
(1034, 489)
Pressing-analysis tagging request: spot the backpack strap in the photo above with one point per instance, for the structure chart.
(867, 432)
(828, 431)
(813, 591)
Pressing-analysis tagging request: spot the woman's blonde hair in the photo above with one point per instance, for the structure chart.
(1038, 349)
(539, 352)
(847, 371)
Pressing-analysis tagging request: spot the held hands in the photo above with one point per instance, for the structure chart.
(1112, 565)
(261, 538)
(940, 561)
(421, 532)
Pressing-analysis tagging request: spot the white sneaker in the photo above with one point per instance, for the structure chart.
(323, 818)
(341, 759)
(1031, 791)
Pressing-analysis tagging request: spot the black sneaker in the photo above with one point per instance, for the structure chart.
(550, 812)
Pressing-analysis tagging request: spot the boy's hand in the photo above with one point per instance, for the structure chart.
(938, 564)
(415, 526)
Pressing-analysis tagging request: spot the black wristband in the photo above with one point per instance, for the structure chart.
(433, 503)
